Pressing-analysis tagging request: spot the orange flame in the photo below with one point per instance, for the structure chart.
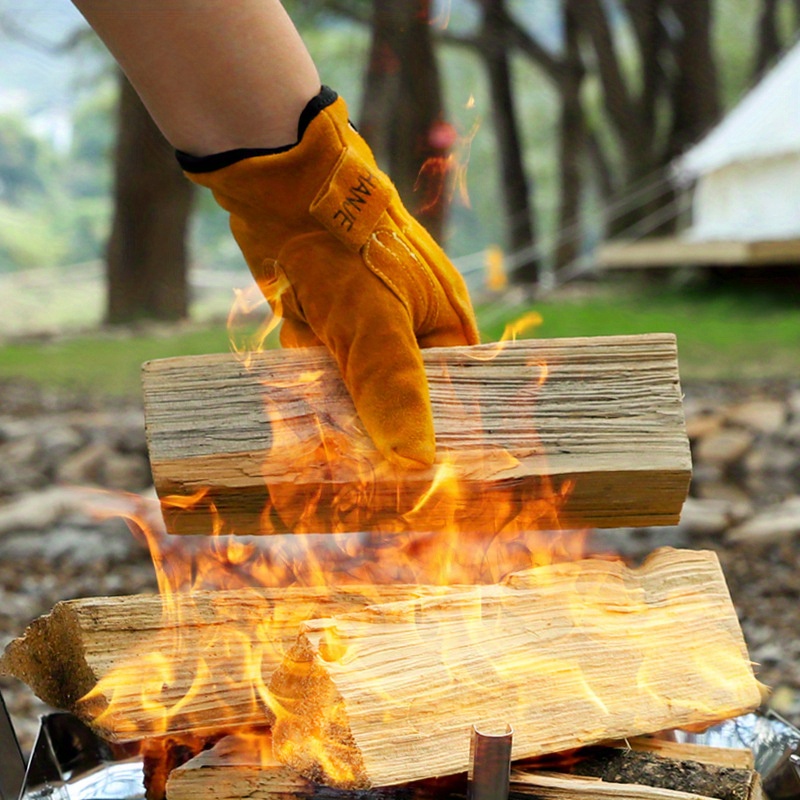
(163, 687)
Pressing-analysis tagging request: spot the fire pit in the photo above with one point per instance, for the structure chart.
(368, 685)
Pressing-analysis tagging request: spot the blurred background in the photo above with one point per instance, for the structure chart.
(617, 166)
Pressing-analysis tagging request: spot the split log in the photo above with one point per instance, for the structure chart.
(736, 757)
(538, 435)
(570, 787)
(125, 665)
(243, 766)
(629, 766)
(569, 655)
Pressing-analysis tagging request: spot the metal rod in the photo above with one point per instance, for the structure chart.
(12, 764)
(490, 765)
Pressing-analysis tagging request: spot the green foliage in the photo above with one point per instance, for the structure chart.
(103, 365)
(723, 334)
(25, 161)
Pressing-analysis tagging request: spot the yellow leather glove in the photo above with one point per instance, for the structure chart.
(338, 256)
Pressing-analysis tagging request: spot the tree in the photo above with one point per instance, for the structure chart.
(146, 257)
(492, 45)
(403, 112)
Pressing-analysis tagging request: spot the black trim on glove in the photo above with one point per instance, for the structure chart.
(211, 163)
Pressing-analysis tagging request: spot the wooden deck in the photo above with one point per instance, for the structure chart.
(676, 252)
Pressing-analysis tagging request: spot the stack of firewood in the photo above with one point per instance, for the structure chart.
(303, 690)
(381, 686)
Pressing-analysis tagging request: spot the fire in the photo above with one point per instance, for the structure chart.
(443, 177)
(256, 593)
(161, 688)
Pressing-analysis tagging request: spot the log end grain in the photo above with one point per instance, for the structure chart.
(311, 733)
(49, 658)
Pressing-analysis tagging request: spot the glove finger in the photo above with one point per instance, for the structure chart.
(370, 334)
(384, 373)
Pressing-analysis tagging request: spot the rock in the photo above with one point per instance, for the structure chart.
(38, 510)
(59, 442)
(772, 458)
(86, 466)
(762, 416)
(713, 516)
(724, 448)
(703, 425)
(111, 541)
(130, 472)
(724, 490)
(707, 517)
(773, 524)
(792, 432)
(793, 403)
(703, 473)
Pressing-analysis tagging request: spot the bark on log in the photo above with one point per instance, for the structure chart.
(144, 653)
(628, 766)
(540, 435)
(569, 655)
(738, 758)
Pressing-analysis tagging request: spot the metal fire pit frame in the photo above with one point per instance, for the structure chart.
(68, 762)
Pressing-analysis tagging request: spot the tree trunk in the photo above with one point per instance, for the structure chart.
(696, 105)
(493, 41)
(769, 42)
(146, 258)
(572, 138)
(402, 116)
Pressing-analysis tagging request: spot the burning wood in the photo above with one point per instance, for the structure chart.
(243, 766)
(570, 654)
(532, 435)
(141, 666)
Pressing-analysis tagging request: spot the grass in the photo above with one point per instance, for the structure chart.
(723, 334)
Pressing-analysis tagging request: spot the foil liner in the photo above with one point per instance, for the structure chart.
(775, 744)
(69, 762)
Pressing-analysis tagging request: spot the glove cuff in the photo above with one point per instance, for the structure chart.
(200, 164)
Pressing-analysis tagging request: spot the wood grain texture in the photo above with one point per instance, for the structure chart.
(243, 767)
(568, 655)
(540, 435)
(139, 655)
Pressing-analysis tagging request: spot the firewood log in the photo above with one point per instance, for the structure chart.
(629, 766)
(243, 766)
(135, 658)
(736, 757)
(533, 435)
(569, 655)
(570, 787)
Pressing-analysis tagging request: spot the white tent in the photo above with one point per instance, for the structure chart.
(747, 169)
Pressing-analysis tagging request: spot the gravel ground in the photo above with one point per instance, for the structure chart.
(63, 554)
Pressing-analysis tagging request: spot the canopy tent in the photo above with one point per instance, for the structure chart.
(747, 169)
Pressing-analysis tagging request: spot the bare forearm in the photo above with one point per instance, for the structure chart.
(215, 74)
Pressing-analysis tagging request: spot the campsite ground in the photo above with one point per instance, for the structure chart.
(71, 415)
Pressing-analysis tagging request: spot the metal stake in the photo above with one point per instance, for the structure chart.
(490, 765)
